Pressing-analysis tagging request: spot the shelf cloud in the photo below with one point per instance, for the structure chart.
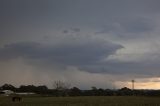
(99, 43)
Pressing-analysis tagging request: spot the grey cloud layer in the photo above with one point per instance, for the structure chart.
(87, 56)
(58, 33)
(86, 53)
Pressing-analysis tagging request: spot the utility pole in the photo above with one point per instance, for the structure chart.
(133, 84)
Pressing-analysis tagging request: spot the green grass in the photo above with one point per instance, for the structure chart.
(83, 101)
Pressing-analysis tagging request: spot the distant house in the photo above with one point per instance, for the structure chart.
(25, 93)
(6, 92)
(9, 92)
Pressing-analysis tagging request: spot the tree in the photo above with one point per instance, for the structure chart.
(28, 88)
(8, 87)
(94, 90)
(61, 87)
(41, 89)
(75, 91)
(125, 91)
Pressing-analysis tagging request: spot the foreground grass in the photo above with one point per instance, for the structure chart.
(83, 101)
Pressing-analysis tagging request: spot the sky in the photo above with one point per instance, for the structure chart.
(102, 43)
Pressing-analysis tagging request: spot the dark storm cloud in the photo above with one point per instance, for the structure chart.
(122, 68)
(87, 53)
(86, 56)
(42, 35)
(39, 15)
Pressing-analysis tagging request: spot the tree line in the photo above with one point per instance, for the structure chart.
(63, 89)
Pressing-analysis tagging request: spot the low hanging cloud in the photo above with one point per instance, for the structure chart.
(81, 55)
(89, 55)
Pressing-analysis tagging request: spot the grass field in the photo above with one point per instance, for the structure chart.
(83, 101)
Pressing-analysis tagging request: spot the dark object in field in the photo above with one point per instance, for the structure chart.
(16, 98)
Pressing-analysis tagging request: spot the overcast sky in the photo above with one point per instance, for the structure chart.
(102, 43)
